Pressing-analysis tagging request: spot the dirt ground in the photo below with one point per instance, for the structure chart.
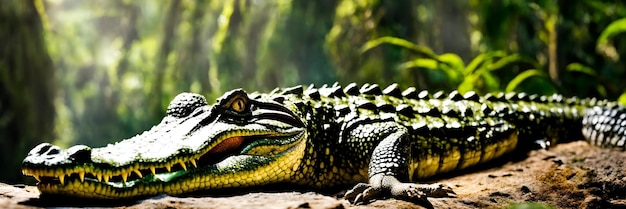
(572, 175)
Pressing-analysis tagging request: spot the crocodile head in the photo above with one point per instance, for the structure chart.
(238, 141)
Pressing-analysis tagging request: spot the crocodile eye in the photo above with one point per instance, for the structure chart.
(239, 105)
(235, 101)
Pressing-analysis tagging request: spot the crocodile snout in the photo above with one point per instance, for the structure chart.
(45, 150)
(48, 154)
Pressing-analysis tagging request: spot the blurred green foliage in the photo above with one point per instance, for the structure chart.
(529, 205)
(94, 72)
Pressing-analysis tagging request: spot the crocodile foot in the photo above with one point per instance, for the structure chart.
(390, 187)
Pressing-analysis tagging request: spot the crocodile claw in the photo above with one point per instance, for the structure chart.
(437, 190)
(364, 193)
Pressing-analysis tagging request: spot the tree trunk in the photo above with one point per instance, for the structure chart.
(26, 85)
(171, 21)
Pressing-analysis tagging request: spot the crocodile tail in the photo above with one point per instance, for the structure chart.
(606, 126)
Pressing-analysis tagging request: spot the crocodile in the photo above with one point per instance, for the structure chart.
(381, 141)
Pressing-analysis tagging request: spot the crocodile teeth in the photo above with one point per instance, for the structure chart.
(125, 177)
(62, 179)
(81, 175)
(106, 179)
(193, 162)
(37, 177)
(182, 164)
(168, 167)
(99, 177)
(153, 170)
(138, 173)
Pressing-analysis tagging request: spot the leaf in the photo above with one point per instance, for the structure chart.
(483, 64)
(480, 82)
(468, 83)
(512, 85)
(622, 99)
(603, 44)
(480, 59)
(577, 67)
(421, 50)
(455, 65)
(510, 59)
(420, 63)
(492, 83)
(431, 64)
(601, 90)
(453, 60)
(616, 27)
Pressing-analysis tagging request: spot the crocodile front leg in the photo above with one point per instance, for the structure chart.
(389, 163)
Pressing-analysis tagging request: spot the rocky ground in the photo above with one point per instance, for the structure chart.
(572, 175)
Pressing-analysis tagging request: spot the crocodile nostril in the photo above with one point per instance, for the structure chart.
(80, 153)
(54, 151)
(45, 149)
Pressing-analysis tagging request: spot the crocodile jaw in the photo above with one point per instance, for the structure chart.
(177, 176)
(202, 148)
(233, 171)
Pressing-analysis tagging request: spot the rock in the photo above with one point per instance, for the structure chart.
(588, 175)
(525, 189)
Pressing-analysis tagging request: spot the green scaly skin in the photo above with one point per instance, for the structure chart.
(380, 140)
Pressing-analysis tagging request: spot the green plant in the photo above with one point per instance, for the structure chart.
(604, 43)
(478, 75)
(605, 47)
